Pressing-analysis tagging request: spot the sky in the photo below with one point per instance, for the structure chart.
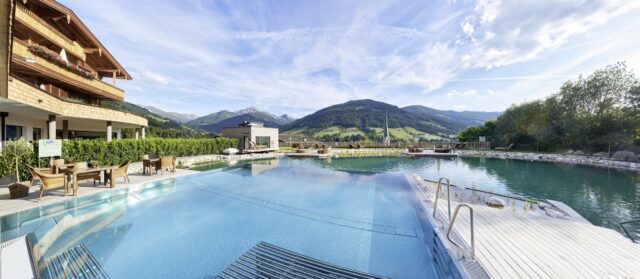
(297, 56)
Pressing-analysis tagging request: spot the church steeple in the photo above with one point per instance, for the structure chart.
(387, 138)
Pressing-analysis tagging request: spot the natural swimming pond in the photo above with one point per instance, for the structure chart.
(603, 196)
(357, 213)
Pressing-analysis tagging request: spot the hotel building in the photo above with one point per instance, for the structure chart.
(52, 76)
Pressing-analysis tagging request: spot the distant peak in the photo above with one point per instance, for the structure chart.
(247, 110)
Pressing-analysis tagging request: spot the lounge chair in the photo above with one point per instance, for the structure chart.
(442, 149)
(460, 146)
(325, 150)
(86, 176)
(508, 148)
(50, 181)
(167, 162)
(121, 171)
(34, 175)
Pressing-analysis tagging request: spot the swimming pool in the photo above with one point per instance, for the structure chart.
(357, 213)
(196, 226)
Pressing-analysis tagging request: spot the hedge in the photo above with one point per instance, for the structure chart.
(117, 151)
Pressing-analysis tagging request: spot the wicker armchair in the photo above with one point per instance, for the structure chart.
(121, 171)
(167, 162)
(50, 181)
(34, 175)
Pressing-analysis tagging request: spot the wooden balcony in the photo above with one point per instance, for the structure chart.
(25, 59)
(24, 93)
(44, 29)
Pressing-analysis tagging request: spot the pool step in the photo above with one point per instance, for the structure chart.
(269, 261)
(77, 262)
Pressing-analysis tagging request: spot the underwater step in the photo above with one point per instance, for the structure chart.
(76, 262)
(269, 261)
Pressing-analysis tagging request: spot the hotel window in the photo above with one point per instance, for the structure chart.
(37, 134)
(13, 132)
(263, 141)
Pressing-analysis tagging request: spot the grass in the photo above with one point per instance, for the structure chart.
(341, 132)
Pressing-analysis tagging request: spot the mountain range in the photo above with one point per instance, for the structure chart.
(353, 120)
(214, 122)
(177, 116)
(359, 119)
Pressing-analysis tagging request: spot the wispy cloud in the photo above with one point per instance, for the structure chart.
(298, 56)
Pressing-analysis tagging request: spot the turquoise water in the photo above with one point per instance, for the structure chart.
(196, 226)
(603, 196)
(353, 212)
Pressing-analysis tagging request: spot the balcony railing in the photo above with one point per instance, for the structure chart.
(21, 50)
(27, 17)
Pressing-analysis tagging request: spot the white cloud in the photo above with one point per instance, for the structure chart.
(514, 31)
(154, 78)
(302, 57)
(465, 93)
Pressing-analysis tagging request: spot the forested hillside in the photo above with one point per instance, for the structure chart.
(598, 112)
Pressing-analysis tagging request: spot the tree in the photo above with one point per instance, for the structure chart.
(16, 150)
(473, 133)
(600, 111)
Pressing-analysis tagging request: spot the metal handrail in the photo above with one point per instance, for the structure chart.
(625, 229)
(455, 214)
(435, 204)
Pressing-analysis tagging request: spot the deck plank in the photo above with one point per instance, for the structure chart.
(513, 242)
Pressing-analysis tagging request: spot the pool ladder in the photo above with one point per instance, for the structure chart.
(635, 238)
(452, 220)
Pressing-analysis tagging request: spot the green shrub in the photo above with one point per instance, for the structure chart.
(117, 151)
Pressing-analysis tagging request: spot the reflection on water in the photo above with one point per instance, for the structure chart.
(603, 196)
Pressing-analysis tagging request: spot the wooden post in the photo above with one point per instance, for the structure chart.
(65, 129)
(3, 128)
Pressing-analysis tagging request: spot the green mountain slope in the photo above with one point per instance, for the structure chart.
(159, 126)
(466, 118)
(366, 118)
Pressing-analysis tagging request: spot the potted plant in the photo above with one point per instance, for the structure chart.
(16, 150)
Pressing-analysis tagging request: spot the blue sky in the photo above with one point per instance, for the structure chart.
(297, 56)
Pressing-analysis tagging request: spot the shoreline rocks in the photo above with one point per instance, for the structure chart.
(559, 158)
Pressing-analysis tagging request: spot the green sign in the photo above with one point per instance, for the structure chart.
(49, 148)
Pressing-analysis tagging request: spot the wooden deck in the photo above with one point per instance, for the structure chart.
(524, 241)
(429, 153)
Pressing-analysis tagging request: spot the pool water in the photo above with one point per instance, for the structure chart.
(196, 226)
(603, 196)
(358, 213)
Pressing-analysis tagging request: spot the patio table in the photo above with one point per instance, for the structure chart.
(152, 162)
(73, 173)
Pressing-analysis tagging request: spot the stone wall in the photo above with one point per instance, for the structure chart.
(560, 158)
